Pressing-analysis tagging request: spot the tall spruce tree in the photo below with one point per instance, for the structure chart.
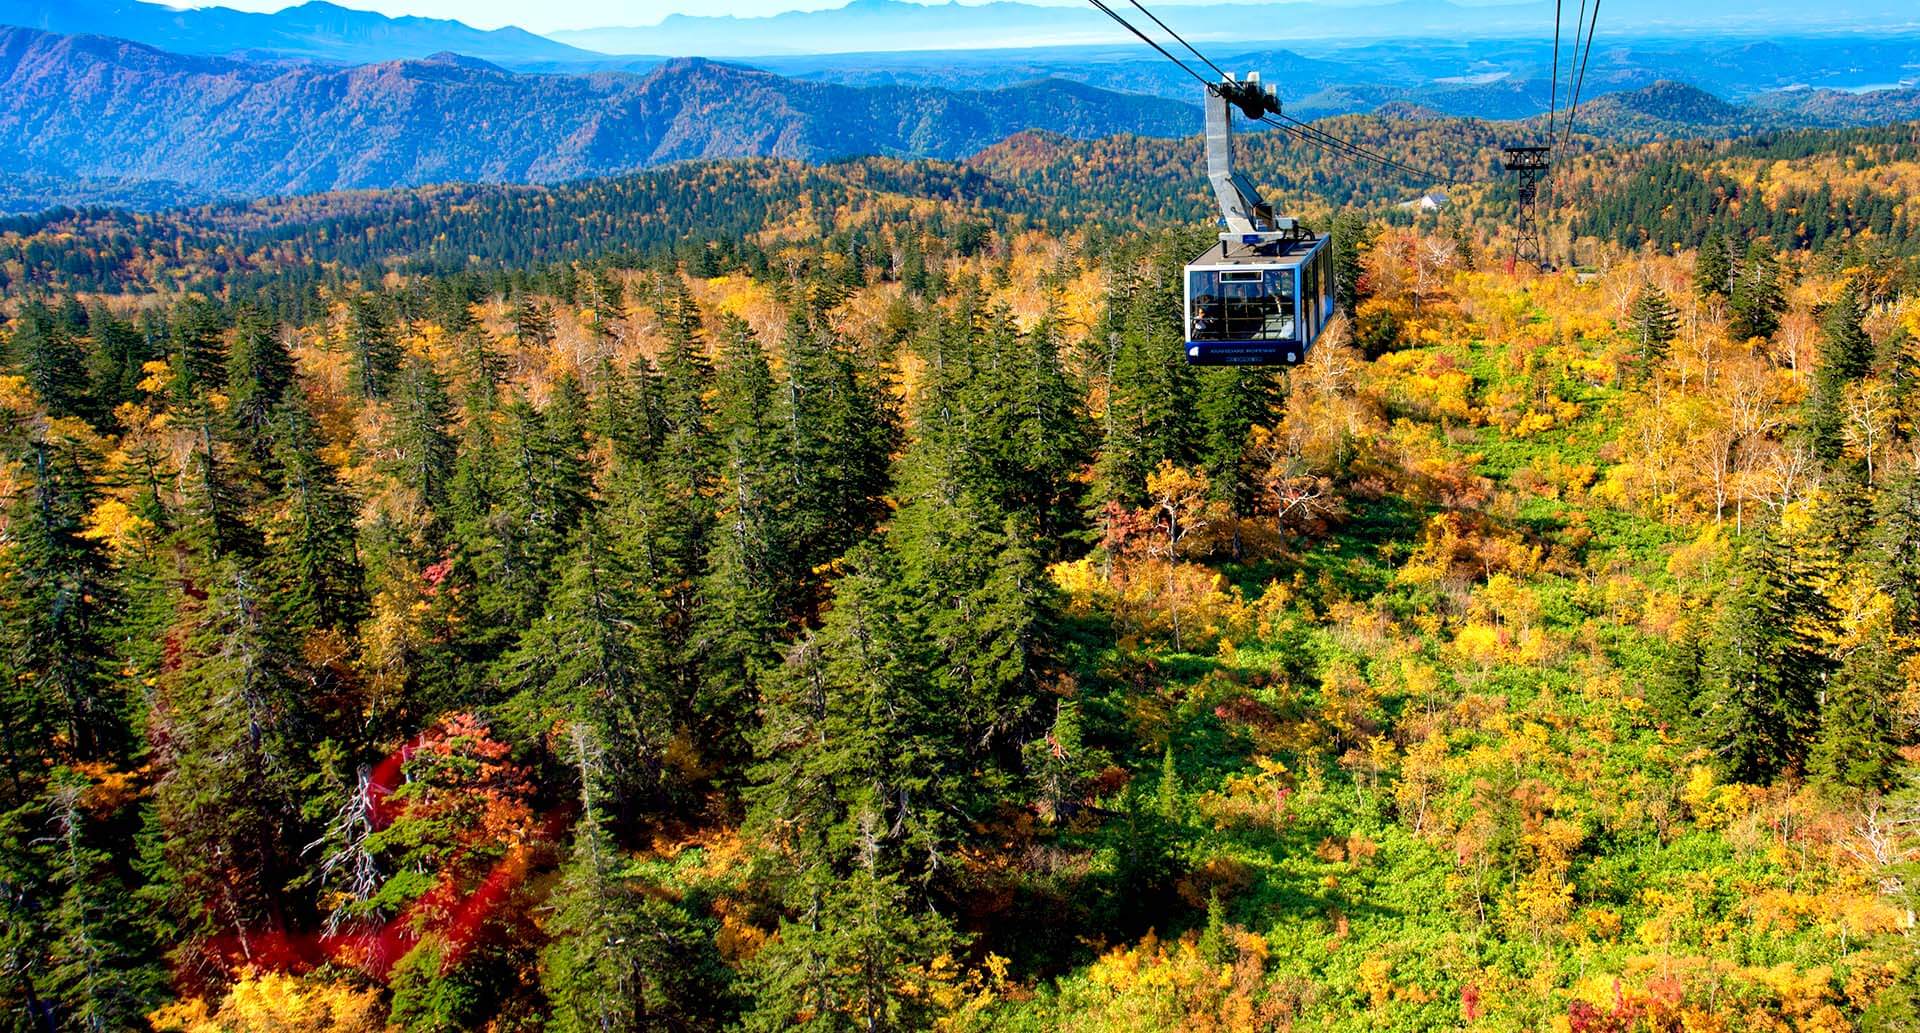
(62, 597)
(1757, 301)
(49, 354)
(1761, 707)
(1352, 237)
(373, 354)
(521, 503)
(233, 728)
(855, 795)
(420, 440)
(673, 520)
(1232, 401)
(1896, 550)
(1002, 407)
(115, 364)
(600, 654)
(534, 323)
(1713, 267)
(1845, 357)
(593, 970)
(1856, 744)
(840, 435)
(259, 372)
(745, 601)
(101, 967)
(309, 532)
(195, 347)
(1653, 324)
(856, 728)
(1150, 415)
(618, 958)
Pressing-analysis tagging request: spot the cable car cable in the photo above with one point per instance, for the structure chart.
(1183, 41)
(1347, 146)
(1574, 111)
(1314, 134)
(1304, 132)
(1573, 55)
(1553, 94)
(1351, 148)
(1144, 38)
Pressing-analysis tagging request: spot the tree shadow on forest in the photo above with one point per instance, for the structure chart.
(1348, 562)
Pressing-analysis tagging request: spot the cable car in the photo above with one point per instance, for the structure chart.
(1262, 296)
(1258, 304)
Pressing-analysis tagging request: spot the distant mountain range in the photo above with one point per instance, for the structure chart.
(1481, 78)
(92, 119)
(87, 109)
(321, 31)
(1671, 109)
(893, 25)
(316, 31)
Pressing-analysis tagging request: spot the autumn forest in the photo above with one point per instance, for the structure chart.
(755, 595)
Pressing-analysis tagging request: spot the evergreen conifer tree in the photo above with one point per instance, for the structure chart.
(1654, 324)
(50, 356)
(310, 532)
(233, 728)
(372, 352)
(1762, 705)
(1845, 357)
(600, 654)
(114, 365)
(259, 371)
(194, 345)
(1713, 267)
(534, 323)
(745, 602)
(1757, 301)
(61, 590)
(101, 967)
(1896, 551)
(421, 442)
(1352, 236)
(1856, 742)
(1232, 401)
(1150, 408)
(840, 435)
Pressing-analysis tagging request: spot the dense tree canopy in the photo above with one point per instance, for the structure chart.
(866, 619)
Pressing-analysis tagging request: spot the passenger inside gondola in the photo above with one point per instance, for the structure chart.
(1243, 305)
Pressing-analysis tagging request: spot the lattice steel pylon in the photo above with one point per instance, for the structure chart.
(1529, 167)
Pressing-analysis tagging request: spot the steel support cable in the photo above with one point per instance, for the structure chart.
(1573, 111)
(1304, 132)
(1553, 95)
(1144, 38)
(1182, 39)
(1360, 151)
(1573, 56)
(1348, 147)
(1321, 141)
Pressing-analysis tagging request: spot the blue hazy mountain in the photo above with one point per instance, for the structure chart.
(312, 31)
(90, 110)
(892, 25)
(1486, 78)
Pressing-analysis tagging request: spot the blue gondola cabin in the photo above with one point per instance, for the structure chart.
(1259, 302)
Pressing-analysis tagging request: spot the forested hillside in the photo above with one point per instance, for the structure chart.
(752, 212)
(854, 614)
(90, 107)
